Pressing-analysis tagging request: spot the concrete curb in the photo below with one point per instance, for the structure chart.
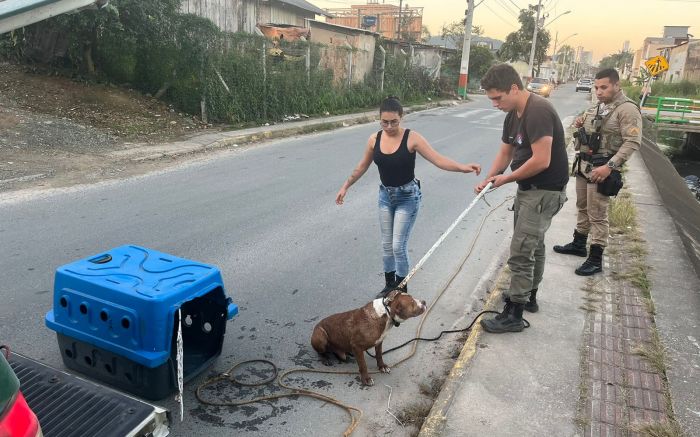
(220, 140)
(436, 419)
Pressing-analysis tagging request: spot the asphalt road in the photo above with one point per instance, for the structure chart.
(265, 215)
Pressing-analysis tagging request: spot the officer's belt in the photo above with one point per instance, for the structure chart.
(597, 159)
(525, 186)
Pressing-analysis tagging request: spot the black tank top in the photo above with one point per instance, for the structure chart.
(398, 168)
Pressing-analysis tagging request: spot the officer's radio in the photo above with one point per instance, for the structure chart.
(592, 140)
(581, 136)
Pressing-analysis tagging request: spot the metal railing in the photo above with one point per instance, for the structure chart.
(676, 110)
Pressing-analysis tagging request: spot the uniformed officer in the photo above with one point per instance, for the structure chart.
(532, 142)
(607, 135)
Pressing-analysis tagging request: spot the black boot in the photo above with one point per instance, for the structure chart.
(507, 309)
(390, 280)
(511, 320)
(594, 263)
(398, 281)
(576, 247)
(532, 306)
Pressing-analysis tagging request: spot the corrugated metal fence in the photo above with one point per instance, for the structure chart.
(228, 15)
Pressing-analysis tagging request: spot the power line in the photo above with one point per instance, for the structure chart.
(497, 15)
(502, 4)
(553, 7)
(516, 5)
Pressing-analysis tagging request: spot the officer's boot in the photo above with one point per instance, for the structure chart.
(532, 306)
(390, 279)
(594, 263)
(511, 320)
(576, 247)
(399, 279)
(507, 309)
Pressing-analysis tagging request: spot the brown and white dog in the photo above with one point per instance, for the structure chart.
(358, 330)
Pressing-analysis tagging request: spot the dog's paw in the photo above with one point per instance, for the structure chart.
(342, 357)
(368, 381)
(385, 369)
(327, 362)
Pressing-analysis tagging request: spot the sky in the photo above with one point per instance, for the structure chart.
(601, 26)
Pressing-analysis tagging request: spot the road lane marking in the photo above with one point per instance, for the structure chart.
(470, 113)
(493, 115)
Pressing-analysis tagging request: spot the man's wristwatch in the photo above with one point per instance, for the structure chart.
(612, 165)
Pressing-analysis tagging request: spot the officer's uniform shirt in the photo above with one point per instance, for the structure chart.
(621, 131)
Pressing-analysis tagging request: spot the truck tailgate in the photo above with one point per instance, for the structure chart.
(68, 406)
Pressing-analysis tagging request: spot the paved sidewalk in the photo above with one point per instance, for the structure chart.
(208, 141)
(577, 371)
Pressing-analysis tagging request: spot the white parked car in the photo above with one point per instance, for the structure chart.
(584, 84)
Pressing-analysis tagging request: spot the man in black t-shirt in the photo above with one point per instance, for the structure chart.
(533, 144)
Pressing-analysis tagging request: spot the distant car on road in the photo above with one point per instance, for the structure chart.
(541, 86)
(584, 84)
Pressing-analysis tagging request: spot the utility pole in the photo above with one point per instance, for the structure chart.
(466, 46)
(530, 66)
(398, 33)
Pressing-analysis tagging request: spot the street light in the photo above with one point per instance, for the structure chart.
(530, 66)
(554, 52)
(552, 20)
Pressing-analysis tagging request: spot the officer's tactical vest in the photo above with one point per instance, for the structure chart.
(612, 139)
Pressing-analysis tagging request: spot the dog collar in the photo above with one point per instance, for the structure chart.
(391, 316)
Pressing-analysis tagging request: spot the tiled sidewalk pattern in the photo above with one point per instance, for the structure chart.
(622, 388)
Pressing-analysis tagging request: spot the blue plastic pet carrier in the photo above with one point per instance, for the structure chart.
(116, 318)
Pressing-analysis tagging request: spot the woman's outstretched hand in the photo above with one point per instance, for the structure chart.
(469, 168)
(340, 196)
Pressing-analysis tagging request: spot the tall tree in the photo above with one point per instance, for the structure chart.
(145, 22)
(454, 33)
(565, 54)
(518, 44)
(617, 60)
(425, 34)
(480, 59)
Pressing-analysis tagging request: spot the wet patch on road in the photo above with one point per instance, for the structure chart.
(304, 357)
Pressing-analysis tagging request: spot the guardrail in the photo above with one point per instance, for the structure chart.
(674, 109)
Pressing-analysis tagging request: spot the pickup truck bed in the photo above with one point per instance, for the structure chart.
(68, 406)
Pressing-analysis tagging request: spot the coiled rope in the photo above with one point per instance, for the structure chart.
(229, 375)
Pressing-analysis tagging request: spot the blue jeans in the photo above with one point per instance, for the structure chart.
(398, 209)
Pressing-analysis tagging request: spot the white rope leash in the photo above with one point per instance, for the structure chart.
(443, 236)
(180, 363)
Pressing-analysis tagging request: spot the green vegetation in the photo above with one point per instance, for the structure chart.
(518, 44)
(664, 429)
(622, 212)
(617, 60)
(186, 60)
(480, 57)
(686, 89)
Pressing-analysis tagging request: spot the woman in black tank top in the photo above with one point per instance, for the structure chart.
(394, 149)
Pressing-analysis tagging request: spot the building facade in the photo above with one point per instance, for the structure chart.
(385, 19)
(348, 52)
